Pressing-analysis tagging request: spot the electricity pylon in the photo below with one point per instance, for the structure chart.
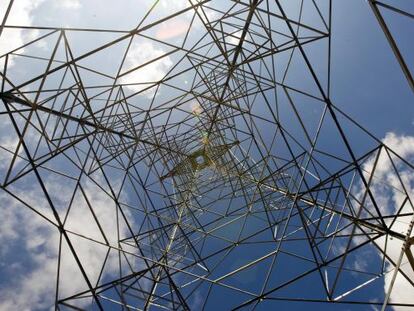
(234, 180)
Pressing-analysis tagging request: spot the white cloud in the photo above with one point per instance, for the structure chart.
(139, 54)
(389, 194)
(20, 14)
(35, 289)
(173, 6)
(234, 38)
(70, 4)
(8, 143)
(172, 29)
(141, 51)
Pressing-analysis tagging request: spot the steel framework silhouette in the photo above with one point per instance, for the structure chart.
(237, 180)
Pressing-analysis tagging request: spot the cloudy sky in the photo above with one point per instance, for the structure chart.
(367, 84)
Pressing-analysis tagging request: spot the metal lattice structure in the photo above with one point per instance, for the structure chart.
(234, 180)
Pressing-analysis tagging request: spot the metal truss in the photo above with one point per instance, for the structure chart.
(235, 177)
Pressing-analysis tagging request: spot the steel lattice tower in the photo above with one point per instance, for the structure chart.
(219, 195)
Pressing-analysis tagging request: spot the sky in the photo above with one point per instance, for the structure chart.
(367, 85)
